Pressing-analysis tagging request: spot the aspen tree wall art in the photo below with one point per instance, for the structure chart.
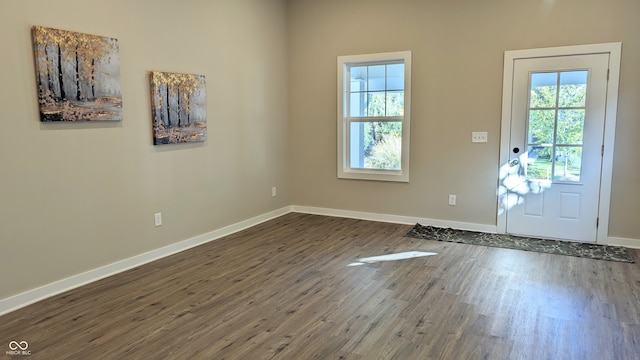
(178, 104)
(78, 76)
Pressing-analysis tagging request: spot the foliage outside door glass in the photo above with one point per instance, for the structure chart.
(556, 117)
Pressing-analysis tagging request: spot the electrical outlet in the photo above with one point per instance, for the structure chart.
(452, 200)
(479, 137)
(274, 191)
(157, 218)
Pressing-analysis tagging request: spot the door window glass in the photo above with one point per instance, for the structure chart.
(557, 105)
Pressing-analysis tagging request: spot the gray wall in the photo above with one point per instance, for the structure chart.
(458, 49)
(74, 197)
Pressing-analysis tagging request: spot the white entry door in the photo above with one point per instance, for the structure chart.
(551, 182)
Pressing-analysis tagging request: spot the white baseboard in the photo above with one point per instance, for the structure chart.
(410, 220)
(629, 243)
(396, 219)
(29, 297)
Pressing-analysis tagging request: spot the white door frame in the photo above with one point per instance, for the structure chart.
(615, 51)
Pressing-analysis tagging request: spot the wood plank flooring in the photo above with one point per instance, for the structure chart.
(284, 290)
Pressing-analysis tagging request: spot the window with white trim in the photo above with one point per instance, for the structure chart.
(374, 98)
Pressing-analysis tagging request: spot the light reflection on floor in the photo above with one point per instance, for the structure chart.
(391, 257)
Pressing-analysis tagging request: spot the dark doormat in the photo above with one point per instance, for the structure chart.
(591, 251)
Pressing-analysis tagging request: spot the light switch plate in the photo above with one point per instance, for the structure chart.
(479, 137)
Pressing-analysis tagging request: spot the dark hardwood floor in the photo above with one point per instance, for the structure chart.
(284, 290)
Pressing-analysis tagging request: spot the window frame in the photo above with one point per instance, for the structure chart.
(345, 171)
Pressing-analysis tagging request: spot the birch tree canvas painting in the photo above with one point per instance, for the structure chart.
(178, 108)
(78, 76)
